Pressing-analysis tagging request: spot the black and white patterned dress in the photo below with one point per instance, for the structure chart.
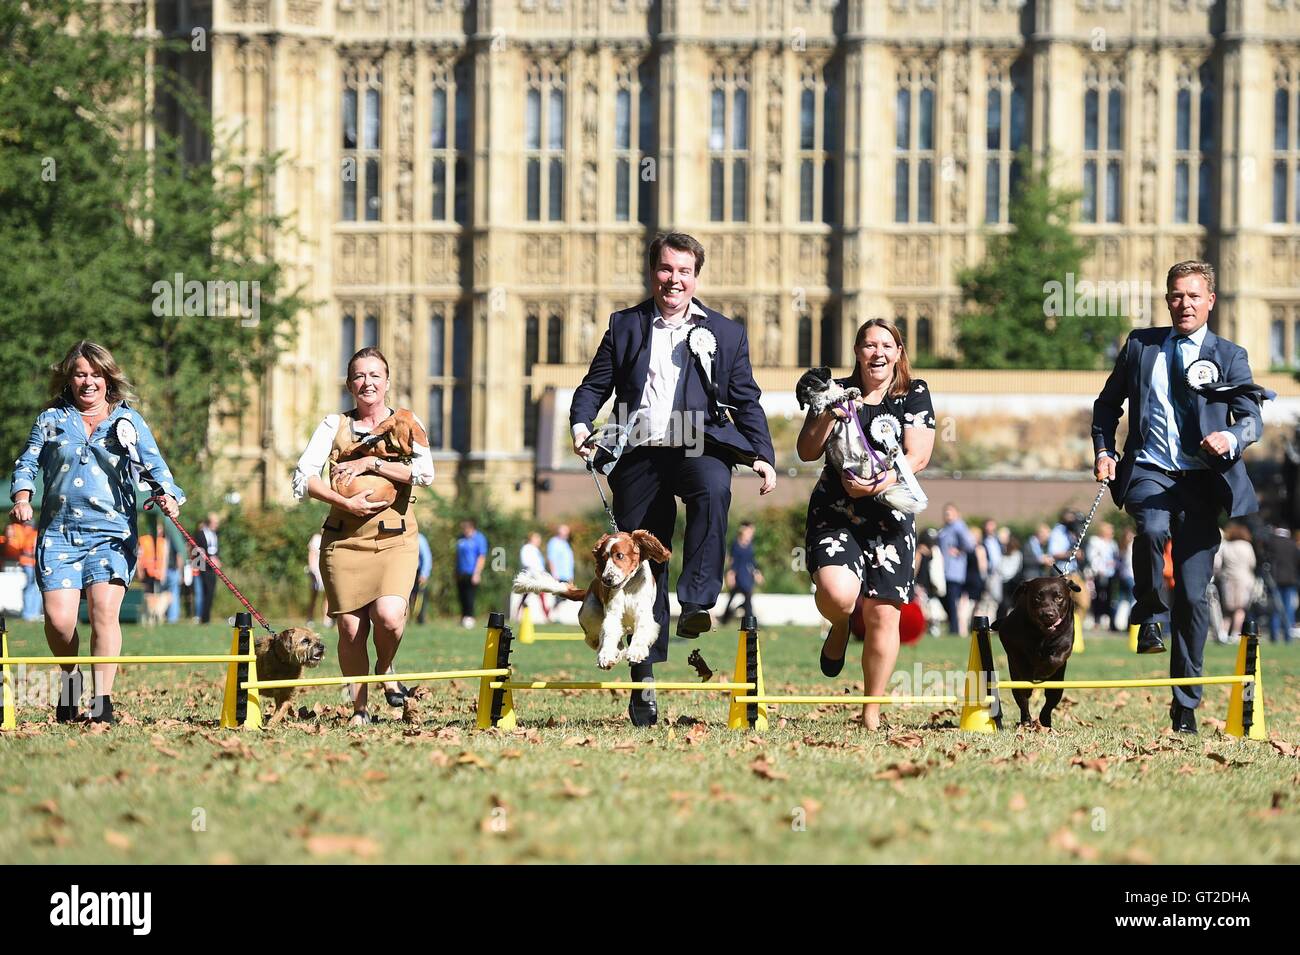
(875, 541)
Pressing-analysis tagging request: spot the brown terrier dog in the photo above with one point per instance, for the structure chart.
(283, 657)
(394, 439)
(1038, 635)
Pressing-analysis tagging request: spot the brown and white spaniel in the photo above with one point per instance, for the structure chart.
(620, 600)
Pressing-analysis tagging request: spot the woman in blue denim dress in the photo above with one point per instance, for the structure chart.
(87, 536)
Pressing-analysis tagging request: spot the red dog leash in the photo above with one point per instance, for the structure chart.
(157, 499)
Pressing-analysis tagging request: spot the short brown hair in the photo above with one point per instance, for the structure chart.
(1191, 267)
(679, 241)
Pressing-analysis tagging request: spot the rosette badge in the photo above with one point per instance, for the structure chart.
(703, 346)
(1202, 372)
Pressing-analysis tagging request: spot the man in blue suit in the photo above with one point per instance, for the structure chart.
(1181, 465)
(686, 400)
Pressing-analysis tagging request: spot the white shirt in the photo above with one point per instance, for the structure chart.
(317, 455)
(665, 386)
(1163, 446)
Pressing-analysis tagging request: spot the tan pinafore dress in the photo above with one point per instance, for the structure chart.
(365, 558)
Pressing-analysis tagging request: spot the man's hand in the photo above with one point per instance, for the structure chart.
(768, 474)
(169, 506)
(1104, 469)
(1217, 443)
(580, 434)
(21, 511)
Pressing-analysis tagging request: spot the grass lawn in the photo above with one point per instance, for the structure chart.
(577, 783)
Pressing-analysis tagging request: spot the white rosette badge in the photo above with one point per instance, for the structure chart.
(1202, 372)
(906, 496)
(704, 346)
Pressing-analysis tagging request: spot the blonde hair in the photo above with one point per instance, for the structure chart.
(100, 359)
(1191, 267)
(902, 371)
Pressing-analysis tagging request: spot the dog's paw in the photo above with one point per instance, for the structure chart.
(637, 653)
(606, 660)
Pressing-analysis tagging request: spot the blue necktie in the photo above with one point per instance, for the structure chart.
(1186, 412)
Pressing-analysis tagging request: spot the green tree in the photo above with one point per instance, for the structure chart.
(107, 188)
(1029, 302)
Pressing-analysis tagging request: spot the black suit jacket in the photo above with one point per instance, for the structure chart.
(622, 363)
(1131, 380)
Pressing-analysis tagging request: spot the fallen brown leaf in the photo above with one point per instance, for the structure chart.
(763, 770)
(569, 791)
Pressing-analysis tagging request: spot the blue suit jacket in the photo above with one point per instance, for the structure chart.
(1131, 379)
(622, 363)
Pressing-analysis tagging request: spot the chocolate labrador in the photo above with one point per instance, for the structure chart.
(1038, 635)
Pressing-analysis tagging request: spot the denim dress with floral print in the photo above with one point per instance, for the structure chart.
(87, 528)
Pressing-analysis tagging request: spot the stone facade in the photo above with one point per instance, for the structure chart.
(473, 181)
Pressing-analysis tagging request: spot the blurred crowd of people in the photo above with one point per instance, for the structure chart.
(964, 572)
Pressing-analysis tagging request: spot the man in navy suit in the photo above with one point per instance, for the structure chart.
(671, 400)
(1181, 465)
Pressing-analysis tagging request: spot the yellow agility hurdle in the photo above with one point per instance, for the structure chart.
(979, 700)
(1245, 704)
(240, 706)
(496, 706)
(375, 678)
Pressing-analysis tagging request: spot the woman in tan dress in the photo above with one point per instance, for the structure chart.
(369, 550)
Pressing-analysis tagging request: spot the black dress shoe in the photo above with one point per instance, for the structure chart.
(693, 620)
(1183, 718)
(1149, 638)
(642, 708)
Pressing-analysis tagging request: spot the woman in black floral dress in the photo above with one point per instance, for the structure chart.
(859, 549)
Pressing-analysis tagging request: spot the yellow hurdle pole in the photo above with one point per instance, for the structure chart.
(10, 720)
(749, 671)
(496, 705)
(1116, 684)
(374, 678)
(619, 685)
(241, 707)
(558, 636)
(1246, 704)
(175, 658)
(978, 714)
(859, 700)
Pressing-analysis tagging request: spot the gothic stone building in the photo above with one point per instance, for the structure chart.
(473, 181)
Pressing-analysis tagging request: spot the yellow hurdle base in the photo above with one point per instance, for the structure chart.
(374, 678)
(619, 685)
(58, 661)
(854, 700)
(1114, 684)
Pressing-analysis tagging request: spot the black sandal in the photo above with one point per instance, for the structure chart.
(397, 698)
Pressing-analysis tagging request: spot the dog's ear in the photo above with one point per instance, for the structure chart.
(1018, 592)
(650, 547)
(1073, 586)
(282, 645)
(418, 435)
(595, 551)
